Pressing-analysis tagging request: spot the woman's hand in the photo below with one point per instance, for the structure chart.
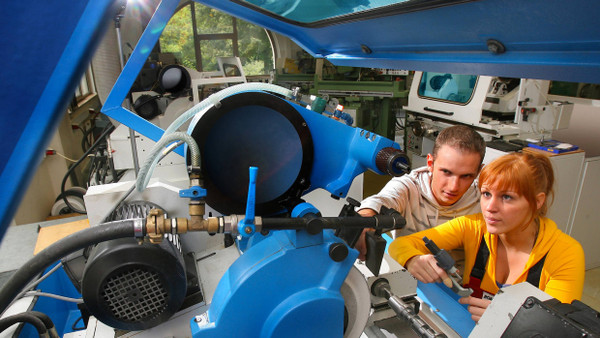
(425, 269)
(476, 306)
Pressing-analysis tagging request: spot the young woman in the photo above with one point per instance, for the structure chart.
(509, 242)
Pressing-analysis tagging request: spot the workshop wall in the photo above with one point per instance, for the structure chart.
(583, 129)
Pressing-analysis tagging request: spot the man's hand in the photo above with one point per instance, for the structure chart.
(425, 269)
(361, 244)
(476, 306)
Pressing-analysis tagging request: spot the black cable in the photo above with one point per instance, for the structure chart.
(77, 328)
(111, 166)
(61, 248)
(92, 168)
(84, 139)
(24, 317)
(71, 168)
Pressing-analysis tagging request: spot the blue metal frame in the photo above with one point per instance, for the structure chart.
(113, 105)
(545, 39)
(46, 47)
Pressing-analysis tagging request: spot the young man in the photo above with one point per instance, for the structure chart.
(437, 193)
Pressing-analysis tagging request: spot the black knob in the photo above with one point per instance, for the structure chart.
(392, 161)
(338, 251)
(314, 226)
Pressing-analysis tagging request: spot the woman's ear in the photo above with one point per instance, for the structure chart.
(540, 199)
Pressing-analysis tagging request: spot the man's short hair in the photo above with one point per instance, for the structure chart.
(460, 137)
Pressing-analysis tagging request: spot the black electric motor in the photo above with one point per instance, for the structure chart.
(134, 286)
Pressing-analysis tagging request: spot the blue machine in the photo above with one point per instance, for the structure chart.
(286, 278)
(286, 285)
(523, 44)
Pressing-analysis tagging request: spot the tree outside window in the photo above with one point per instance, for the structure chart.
(198, 34)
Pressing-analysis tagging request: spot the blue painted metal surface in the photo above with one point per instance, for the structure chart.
(545, 39)
(45, 48)
(341, 152)
(64, 315)
(257, 298)
(445, 303)
(304, 209)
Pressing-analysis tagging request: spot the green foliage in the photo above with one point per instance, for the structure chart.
(177, 38)
(254, 47)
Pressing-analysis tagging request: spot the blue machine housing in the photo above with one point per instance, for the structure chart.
(250, 129)
(286, 285)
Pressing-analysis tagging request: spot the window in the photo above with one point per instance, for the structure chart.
(574, 89)
(86, 87)
(197, 35)
(319, 12)
(447, 87)
(316, 10)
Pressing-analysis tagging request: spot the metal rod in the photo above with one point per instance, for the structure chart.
(136, 162)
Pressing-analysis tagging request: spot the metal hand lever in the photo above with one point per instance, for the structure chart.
(246, 227)
(446, 262)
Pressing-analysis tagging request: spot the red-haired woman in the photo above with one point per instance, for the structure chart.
(509, 242)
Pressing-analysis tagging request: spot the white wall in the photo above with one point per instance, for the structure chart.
(45, 184)
(583, 129)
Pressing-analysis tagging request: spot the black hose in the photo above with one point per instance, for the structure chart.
(59, 249)
(47, 322)
(71, 168)
(24, 317)
(44, 317)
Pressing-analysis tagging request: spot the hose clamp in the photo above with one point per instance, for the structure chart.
(138, 227)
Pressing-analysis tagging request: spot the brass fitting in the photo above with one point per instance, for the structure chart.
(210, 225)
(155, 224)
(197, 209)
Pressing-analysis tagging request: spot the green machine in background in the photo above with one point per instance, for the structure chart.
(376, 96)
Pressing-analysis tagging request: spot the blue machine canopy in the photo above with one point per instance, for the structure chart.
(540, 39)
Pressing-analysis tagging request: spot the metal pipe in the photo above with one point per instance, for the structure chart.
(381, 288)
